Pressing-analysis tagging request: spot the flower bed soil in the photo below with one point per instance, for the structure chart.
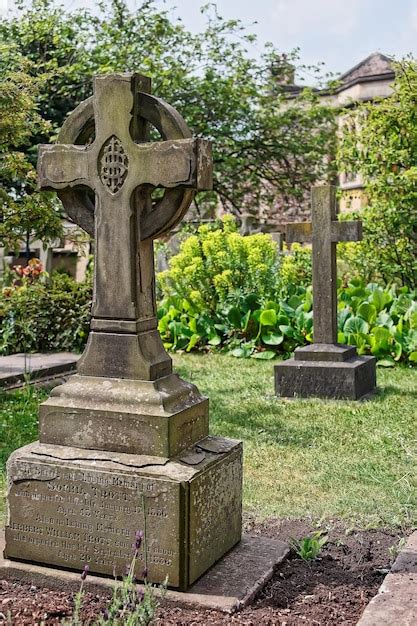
(334, 589)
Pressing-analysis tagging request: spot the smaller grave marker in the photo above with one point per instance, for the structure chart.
(325, 368)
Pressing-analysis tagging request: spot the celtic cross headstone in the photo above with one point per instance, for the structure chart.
(124, 444)
(325, 368)
(120, 167)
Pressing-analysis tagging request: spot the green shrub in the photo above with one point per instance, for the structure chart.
(44, 315)
(218, 266)
(296, 268)
(378, 141)
(223, 289)
(380, 321)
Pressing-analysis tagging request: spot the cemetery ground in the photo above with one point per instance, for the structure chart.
(346, 468)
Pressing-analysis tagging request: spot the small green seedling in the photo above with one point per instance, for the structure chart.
(309, 548)
(395, 549)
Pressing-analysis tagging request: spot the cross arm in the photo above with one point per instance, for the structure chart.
(300, 232)
(346, 231)
(61, 166)
(175, 163)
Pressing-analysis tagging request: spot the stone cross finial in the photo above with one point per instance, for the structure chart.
(121, 168)
(324, 231)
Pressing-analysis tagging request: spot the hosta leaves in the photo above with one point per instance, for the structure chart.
(380, 340)
(268, 317)
(239, 353)
(355, 325)
(194, 339)
(215, 340)
(288, 331)
(413, 357)
(367, 311)
(266, 355)
(359, 340)
(384, 319)
(378, 321)
(272, 339)
(380, 299)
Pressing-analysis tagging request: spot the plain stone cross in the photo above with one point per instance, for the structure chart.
(122, 168)
(324, 232)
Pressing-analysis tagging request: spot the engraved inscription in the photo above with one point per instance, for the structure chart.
(82, 516)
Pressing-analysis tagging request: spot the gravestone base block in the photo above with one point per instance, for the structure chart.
(326, 371)
(159, 418)
(68, 507)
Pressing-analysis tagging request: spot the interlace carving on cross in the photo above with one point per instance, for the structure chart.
(114, 164)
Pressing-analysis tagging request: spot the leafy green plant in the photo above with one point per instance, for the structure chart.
(296, 268)
(233, 293)
(379, 142)
(26, 213)
(308, 548)
(44, 314)
(396, 548)
(217, 266)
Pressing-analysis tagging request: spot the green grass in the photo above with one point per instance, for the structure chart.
(303, 458)
(18, 426)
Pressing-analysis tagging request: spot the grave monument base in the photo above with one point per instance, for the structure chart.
(154, 417)
(326, 371)
(68, 507)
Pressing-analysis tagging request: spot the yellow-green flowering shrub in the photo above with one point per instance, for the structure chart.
(296, 268)
(218, 265)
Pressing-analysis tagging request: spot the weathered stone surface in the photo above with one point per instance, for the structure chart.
(326, 368)
(120, 166)
(18, 369)
(351, 379)
(396, 601)
(325, 352)
(324, 231)
(69, 507)
(161, 417)
(231, 584)
(124, 444)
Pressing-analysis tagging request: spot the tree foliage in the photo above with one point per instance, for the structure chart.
(263, 148)
(24, 212)
(380, 142)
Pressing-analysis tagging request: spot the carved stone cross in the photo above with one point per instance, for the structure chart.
(325, 368)
(124, 443)
(324, 231)
(122, 167)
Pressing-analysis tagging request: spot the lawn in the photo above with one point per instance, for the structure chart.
(303, 458)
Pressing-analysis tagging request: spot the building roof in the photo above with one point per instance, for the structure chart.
(376, 66)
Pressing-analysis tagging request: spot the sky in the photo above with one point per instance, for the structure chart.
(338, 32)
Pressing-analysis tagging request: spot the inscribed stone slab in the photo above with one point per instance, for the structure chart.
(68, 507)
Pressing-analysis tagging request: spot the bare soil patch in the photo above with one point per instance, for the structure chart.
(334, 589)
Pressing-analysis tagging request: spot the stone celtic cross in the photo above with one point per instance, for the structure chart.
(324, 232)
(104, 147)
